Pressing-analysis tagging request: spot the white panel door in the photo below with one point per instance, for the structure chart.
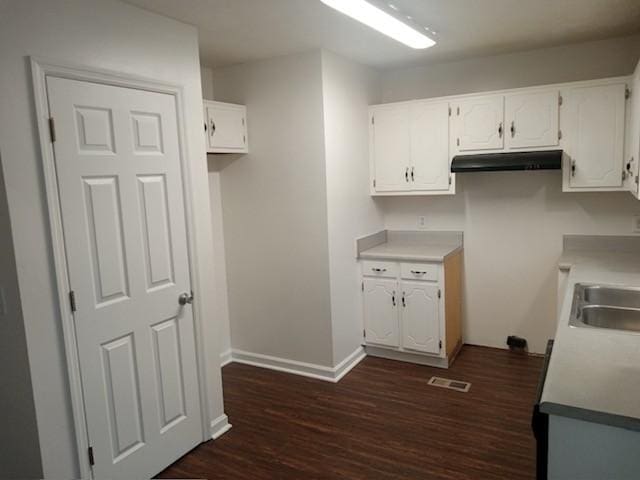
(120, 185)
(595, 119)
(391, 147)
(430, 146)
(420, 316)
(532, 119)
(480, 123)
(381, 311)
(226, 127)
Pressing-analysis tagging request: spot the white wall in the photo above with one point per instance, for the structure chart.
(275, 211)
(513, 222)
(348, 89)
(206, 76)
(18, 429)
(107, 34)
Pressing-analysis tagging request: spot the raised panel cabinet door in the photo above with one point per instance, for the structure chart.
(420, 316)
(429, 146)
(391, 147)
(118, 167)
(596, 122)
(381, 311)
(480, 123)
(226, 127)
(532, 119)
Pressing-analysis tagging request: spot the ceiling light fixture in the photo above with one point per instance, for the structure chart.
(381, 21)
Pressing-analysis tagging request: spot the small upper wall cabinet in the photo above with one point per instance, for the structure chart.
(594, 123)
(409, 149)
(513, 121)
(532, 120)
(480, 123)
(225, 127)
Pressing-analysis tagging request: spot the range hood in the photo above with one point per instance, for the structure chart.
(496, 162)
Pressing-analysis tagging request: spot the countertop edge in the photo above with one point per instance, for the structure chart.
(602, 418)
(410, 258)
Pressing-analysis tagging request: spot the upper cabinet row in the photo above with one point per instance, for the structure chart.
(412, 143)
(225, 127)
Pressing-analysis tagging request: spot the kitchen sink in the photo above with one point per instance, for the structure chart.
(606, 306)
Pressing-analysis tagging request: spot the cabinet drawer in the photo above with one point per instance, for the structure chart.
(372, 268)
(419, 271)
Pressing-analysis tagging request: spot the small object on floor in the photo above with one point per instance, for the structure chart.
(451, 384)
(517, 344)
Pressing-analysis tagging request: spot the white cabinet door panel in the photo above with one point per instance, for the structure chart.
(430, 146)
(420, 314)
(391, 147)
(121, 196)
(595, 119)
(226, 127)
(532, 119)
(480, 123)
(381, 311)
(633, 139)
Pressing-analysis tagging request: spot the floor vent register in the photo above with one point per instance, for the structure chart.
(450, 384)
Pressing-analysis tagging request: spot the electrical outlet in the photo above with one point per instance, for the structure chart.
(422, 222)
(635, 226)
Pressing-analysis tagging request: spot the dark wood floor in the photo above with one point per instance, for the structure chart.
(382, 421)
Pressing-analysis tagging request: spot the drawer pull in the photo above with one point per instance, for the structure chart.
(379, 270)
(417, 272)
(393, 298)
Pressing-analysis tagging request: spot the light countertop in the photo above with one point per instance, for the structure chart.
(410, 246)
(594, 374)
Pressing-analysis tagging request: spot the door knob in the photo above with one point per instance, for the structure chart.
(185, 298)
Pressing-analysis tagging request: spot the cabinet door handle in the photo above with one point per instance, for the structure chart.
(393, 298)
(513, 129)
(573, 168)
(213, 126)
(379, 270)
(500, 130)
(406, 174)
(404, 304)
(412, 179)
(417, 272)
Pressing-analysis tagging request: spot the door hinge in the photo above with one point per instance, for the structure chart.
(72, 300)
(52, 130)
(363, 286)
(373, 121)
(627, 92)
(439, 293)
(560, 100)
(458, 142)
(559, 134)
(440, 344)
(374, 183)
(91, 459)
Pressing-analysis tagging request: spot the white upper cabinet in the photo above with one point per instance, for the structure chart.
(225, 127)
(632, 157)
(430, 146)
(594, 122)
(391, 147)
(409, 148)
(480, 123)
(532, 119)
(420, 316)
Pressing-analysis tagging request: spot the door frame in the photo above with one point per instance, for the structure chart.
(40, 69)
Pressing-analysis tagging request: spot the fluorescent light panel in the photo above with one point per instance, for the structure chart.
(381, 21)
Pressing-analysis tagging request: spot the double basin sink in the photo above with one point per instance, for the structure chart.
(606, 306)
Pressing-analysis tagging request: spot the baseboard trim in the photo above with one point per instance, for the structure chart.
(219, 426)
(225, 358)
(311, 370)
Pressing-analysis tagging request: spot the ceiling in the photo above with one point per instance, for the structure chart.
(238, 31)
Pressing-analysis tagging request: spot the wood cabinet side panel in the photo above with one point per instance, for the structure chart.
(453, 302)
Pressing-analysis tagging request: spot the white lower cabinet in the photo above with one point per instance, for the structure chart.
(380, 311)
(412, 311)
(420, 316)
